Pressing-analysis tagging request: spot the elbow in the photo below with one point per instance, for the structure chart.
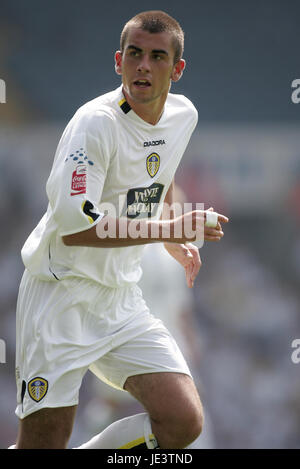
(67, 240)
(83, 238)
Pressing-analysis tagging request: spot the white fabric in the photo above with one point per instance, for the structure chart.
(126, 433)
(66, 327)
(101, 157)
(165, 291)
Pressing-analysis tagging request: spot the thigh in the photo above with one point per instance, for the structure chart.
(46, 429)
(173, 405)
(165, 395)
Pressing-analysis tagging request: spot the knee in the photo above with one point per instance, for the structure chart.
(182, 427)
(189, 426)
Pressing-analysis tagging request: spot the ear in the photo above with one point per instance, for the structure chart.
(178, 70)
(118, 62)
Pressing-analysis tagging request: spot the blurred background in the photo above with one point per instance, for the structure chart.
(237, 324)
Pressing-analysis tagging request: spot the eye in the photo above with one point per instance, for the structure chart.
(134, 53)
(157, 57)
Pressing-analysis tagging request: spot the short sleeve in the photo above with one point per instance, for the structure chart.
(75, 185)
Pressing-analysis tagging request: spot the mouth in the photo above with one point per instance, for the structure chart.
(142, 83)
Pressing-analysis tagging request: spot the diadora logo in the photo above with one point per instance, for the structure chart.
(154, 143)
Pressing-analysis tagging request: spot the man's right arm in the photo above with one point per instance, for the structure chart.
(120, 232)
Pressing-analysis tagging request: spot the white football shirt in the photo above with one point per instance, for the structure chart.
(107, 155)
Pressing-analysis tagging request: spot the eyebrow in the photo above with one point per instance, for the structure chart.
(154, 51)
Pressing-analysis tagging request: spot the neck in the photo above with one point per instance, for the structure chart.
(150, 112)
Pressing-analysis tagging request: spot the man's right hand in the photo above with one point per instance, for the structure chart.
(191, 227)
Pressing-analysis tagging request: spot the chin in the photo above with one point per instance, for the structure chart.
(143, 98)
(140, 99)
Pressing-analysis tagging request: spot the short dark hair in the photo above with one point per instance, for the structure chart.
(157, 22)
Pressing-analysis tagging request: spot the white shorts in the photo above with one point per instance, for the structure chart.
(66, 327)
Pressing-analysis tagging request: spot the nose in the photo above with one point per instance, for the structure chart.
(144, 64)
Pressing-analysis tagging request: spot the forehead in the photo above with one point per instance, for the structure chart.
(149, 41)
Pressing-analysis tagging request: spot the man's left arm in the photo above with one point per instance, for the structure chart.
(186, 254)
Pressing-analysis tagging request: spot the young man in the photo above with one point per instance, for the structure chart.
(79, 307)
